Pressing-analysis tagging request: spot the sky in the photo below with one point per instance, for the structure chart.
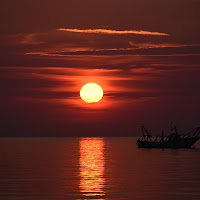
(144, 54)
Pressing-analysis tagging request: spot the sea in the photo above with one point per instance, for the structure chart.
(96, 168)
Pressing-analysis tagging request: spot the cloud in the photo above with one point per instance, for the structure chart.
(107, 31)
(138, 49)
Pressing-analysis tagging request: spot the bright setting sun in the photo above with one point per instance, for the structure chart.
(91, 93)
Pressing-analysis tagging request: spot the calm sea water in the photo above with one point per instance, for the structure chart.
(96, 168)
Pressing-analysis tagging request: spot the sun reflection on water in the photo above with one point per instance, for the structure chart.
(92, 165)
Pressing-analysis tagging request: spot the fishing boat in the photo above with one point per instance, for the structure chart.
(173, 140)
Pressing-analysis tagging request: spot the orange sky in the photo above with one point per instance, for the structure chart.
(144, 54)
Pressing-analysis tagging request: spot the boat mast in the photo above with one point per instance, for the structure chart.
(145, 132)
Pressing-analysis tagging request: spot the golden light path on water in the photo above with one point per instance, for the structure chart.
(92, 164)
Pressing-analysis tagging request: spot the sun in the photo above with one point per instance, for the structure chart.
(91, 93)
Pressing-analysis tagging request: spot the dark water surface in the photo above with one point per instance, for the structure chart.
(96, 168)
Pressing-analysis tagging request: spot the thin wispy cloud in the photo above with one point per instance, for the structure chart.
(107, 31)
(139, 49)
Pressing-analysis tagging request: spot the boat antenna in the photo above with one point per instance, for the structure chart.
(173, 128)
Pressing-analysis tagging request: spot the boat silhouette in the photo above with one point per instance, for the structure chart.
(174, 140)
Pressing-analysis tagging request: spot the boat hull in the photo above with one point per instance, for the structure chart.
(180, 143)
